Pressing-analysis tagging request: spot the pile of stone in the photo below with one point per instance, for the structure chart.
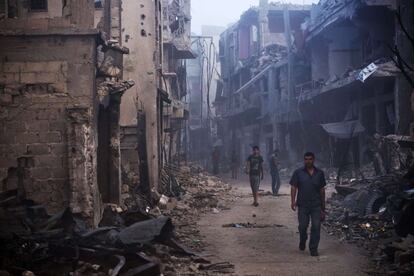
(149, 239)
(187, 193)
(371, 214)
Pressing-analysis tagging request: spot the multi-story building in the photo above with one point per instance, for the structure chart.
(321, 79)
(176, 52)
(261, 61)
(60, 89)
(355, 89)
(159, 43)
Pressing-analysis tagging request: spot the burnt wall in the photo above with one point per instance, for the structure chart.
(48, 120)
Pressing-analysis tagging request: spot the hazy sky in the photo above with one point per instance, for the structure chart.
(224, 12)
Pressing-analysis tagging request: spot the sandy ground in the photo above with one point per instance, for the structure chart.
(274, 250)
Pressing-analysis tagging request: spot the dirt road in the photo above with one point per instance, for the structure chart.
(272, 250)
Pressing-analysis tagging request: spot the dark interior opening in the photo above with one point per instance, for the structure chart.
(38, 5)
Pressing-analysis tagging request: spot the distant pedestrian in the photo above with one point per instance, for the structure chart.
(308, 194)
(234, 164)
(274, 171)
(216, 160)
(254, 168)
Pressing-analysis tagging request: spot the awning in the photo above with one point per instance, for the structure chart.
(344, 130)
(183, 52)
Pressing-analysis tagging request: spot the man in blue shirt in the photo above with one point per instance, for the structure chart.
(308, 195)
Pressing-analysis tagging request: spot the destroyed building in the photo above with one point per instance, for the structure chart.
(153, 113)
(261, 63)
(293, 83)
(60, 88)
(73, 139)
(355, 89)
(176, 51)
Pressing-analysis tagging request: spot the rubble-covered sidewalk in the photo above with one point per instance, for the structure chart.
(376, 214)
(162, 238)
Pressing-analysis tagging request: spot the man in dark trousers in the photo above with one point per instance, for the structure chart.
(254, 168)
(308, 195)
(274, 171)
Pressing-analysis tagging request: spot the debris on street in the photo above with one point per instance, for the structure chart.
(376, 214)
(127, 242)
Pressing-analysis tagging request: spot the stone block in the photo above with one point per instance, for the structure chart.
(39, 23)
(46, 77)
(47, 114)
(48, 161)
(16, 125)
(11, 91)
(38, 125)
(58, 149)
(61, 173)
(40, 173)
(54, 137)
(42, 66)
(3, 173)
(12, 67)
(9, 78)
(26, 115)
(28, 78)
(38, 149)
(59, 87)
(27, 138)
(56, 125)
(6, 99)
(7, 162)
(18, 149)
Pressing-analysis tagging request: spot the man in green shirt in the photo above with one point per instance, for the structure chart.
(254, 168)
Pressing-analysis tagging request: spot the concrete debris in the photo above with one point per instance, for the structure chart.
(126, 242)
(251, 225)
(376, 214)
(215, 211)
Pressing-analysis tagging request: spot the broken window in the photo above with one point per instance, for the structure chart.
(8, 9)
(38, 5)
(98, 4)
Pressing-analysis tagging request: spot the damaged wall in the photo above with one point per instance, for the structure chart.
(58, 78)
(141, 34)
(42, 130)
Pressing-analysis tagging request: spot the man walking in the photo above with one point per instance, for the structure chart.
(274, 172)
(308, 195)
(254, 168)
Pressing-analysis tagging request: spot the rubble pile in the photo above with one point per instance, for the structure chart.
(185, 194)
(375, 215)
(127, 242)
(271, 54)
(201, 193)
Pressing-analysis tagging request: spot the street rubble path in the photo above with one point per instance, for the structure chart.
(264, 240)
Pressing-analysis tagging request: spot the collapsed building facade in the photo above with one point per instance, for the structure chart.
(61, 84)
(321, 79)
(355, 85)
(153, 110)
(89, 92)
(260, 65)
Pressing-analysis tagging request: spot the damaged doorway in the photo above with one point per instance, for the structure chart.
(108, 154)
